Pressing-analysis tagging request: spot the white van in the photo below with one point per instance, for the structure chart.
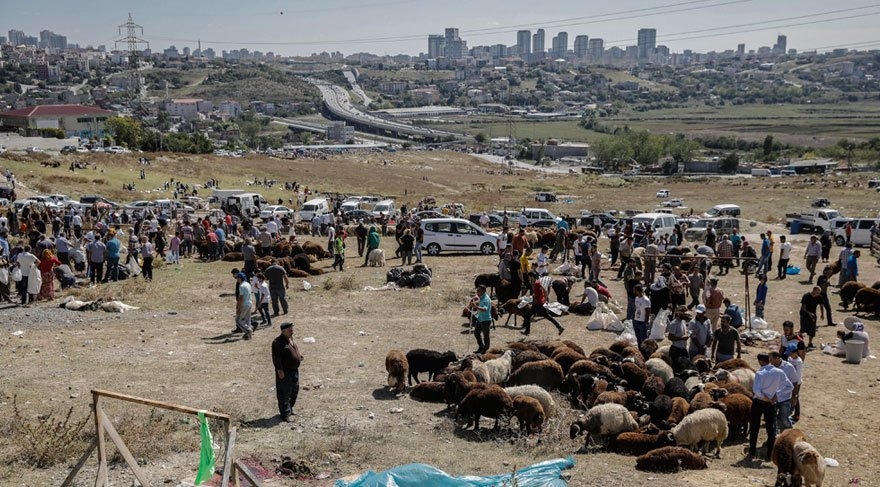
(534, 215)
(759, 173)
(384, 208)
(723, 210)
(347, 206)
(662, 223)
(456, 235)
(243, 204)
(313, 208)
(861, 232)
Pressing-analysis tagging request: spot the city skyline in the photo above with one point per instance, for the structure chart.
(297, 29)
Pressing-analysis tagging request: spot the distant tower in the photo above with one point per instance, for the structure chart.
(524, 42)
(132, 40)
(538, 41)
(647, 42)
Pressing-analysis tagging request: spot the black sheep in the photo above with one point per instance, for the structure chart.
(491, 281)
(421, 360)
(660, 409)
(675, 388)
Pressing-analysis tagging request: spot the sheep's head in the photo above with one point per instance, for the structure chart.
(718, 393)
(449, 357)
(577, 428)
(688, 373)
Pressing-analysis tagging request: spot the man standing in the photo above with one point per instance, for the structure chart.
(725, 255)
(843, 259)
(361, 232)
(772, 248)
(764, 263)
(768, 382)
(641, 314)
(784, 256)
(714, 300)
(700, 333)
(113, 247)
(736, 240)
(676, 332)
(726, 339)
(852, 266)
(539, 298)
(501, 242)
(615, 245)
(652, 253)
(788, 394)
(243, 306)
(278, 283)
(483, 319)
(62, 245)
(97, 253)
(286, 359)
(809, 301)
(811, 255)
(249, 253)
(625, 254)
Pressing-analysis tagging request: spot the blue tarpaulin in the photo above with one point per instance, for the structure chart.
(544, 474)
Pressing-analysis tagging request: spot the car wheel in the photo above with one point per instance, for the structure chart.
(840, 241)
(433, 249)
(487, 249)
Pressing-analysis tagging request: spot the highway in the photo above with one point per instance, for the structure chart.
(338, 103)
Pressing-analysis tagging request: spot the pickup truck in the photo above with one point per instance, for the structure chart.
(818, 220)
(723, 225)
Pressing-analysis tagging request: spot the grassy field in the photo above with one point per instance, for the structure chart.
(420, 75)
(617, 76)
(177, 347)
(567, 130)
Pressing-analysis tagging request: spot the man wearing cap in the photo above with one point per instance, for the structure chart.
(286, 358)
(787, 396)
(769, 381)
(726, 341)
(700, 332)
(243, 306)
(676, 332)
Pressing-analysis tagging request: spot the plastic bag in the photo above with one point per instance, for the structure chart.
(206, 460)
(759, 323)
(16, 274)
(4, 275)
(658, 327)
(792, 270)
(307, 286)
(629, 333)
(612, 322)
(595, 322)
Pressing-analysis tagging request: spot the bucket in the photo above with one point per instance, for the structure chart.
(795, 227)
(854, 349)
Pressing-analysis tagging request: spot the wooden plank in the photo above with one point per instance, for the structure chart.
(160, 404)
(126, 454)
(247, 474)
(80, 463)
(101, 476)
(227, 460)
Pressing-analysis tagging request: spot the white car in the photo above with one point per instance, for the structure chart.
(673, 203)
(663, 193)
(33, 149)
(139, 205)
(456, 235)
(271, 211)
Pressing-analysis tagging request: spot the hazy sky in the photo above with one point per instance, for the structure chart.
(297, 27)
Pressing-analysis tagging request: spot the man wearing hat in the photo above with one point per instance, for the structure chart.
(286, 359)
(700, 332)
(243, 305)
(676, 332)
(769, 383)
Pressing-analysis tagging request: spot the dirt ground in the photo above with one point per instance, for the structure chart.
(176, 348)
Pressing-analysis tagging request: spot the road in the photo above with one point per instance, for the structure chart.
(338, 102)
(355, 87)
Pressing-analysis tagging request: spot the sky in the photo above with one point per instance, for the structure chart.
(298, 27)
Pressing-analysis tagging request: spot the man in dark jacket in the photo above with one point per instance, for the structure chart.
(286, 359)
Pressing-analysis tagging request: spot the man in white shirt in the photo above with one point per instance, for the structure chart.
(784, 256)
(787, 397)
(770, 384)
(484, 220)
(272, 228)
(642, 314)
(523, 221)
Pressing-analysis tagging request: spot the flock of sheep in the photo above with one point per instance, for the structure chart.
(634, 404)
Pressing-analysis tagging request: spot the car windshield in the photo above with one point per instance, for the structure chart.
(832, 215)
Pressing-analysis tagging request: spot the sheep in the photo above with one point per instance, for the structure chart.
(550, 346)
(660, 368)
(522, 346)
(663, 354)
(489, 280)
(702, 364)
(421, 360)
(809, 463)
(605, 421)
(733, 364)
(744, 377)
(636, 443)
(848, 292)
(499, 368)
(457, 385)
(675, 387)
(491, 402)
(537, 393)
(585, 389)
(648, 347)
(529, 412)
(782, 455)
(634, 375)
(731, 387)
(545, 373)
(705, 425)
(867, 300)
(701, 400)
(428, 392)
(398, 368)
(512, 308)
(618, 345)
(671, 459)
(691, 383)
(614, 397)
(566, 357)
(477, 367)
(737, 410)
(653, 387)
(604, 352)
(376, 258)
(680, 409)
(525, 357)
(660, 409)
(117, 307)
(590, 367)
(577, 348)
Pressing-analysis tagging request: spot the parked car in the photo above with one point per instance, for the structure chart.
(673, 203)
(663, 193)
(545, 223)
(68, 149)
(861, 232)
(33, 149)
(545, 197)
(456, 235)
(697, 231)
(90, 199)
(271, 211)
(355, 215)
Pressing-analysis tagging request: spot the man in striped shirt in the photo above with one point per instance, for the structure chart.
(725, 255)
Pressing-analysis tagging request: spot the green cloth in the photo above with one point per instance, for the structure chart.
(206, 462)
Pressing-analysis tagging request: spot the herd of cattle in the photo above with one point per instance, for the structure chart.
(634, 404)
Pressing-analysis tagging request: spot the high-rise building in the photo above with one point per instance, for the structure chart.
(538, 41)
(597, 49)
(451, 34)
(453, 46)
(2, 39)
(560, 45)
(524, 42)
(740, 49)
(780, 46)
(186, 52)
(435, 46)
(17, 37)
(647, 42)
(581, 46)
(51, 40)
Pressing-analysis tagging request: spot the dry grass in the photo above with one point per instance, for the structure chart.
(45, 440)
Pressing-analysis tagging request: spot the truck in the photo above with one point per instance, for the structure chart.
(219, 196)
(722, 225)
(243, 204)
(818, 220)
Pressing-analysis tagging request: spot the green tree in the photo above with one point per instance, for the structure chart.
(681, 149)
(730, 163)
(481, 138)
(612, 151)
(249, 130)
(768, 145)
(126, 131)
(848, 148)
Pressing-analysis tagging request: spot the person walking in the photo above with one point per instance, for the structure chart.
(809, 302)
(768, 381)
(483, 305)
(373, 241)
(764, 263)
(539, 298)
(726, 340)
(147, 255)
(695, 280)
(263, 300)
(286, 358)
(278, 284)
(47, 264)
(825, 241)
(823, 282)
(811, 255)
(784, 256)
(714, 300)
(852, 266)
(625, 255)
(338, 251)
(243, 305)
(761, 297)
(843, 259)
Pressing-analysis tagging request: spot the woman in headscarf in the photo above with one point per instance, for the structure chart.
(48, 261)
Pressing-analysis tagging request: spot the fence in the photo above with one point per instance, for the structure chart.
(231, 467)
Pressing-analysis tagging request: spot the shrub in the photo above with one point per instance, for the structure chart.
(45, 440)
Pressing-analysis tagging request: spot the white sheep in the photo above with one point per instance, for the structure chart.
(605, 420)
(499, 368)
(535, 392)
(809, 463)
(480, 370)
(744, 377)
(705, 425)
(692, 382)
(659, 368)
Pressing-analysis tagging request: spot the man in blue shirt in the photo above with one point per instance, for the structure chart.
(483, 318)
(735, 313)
(769, 387)
(764, 263)
(852, 266)
(112, 257)
(221, 239)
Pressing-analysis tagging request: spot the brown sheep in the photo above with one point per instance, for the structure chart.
(731, 387)
(738, 412)
(301, 261)
(582, 367)
(809, 463)
(680, 409)
(458, 384)
(530, 413)
(733, 364)
(545, 373)
(577, 348)
(428, 392)
(848, 292)
(701, 400)
(653, 387)
(584, 389)
(782, 454)
(525, 357)
(648, 348)
(634, 355)
(397, 368)
(298, 274)
(867, 300)
(636, 443)
(315, 272)
(547, 347)
(315, 249)
(491, 402)
(671, 459)
(522, 346)
(232, 257)
(618, 345)
(614, 397)
(634, 375)
(511, 307)
(566, 357)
